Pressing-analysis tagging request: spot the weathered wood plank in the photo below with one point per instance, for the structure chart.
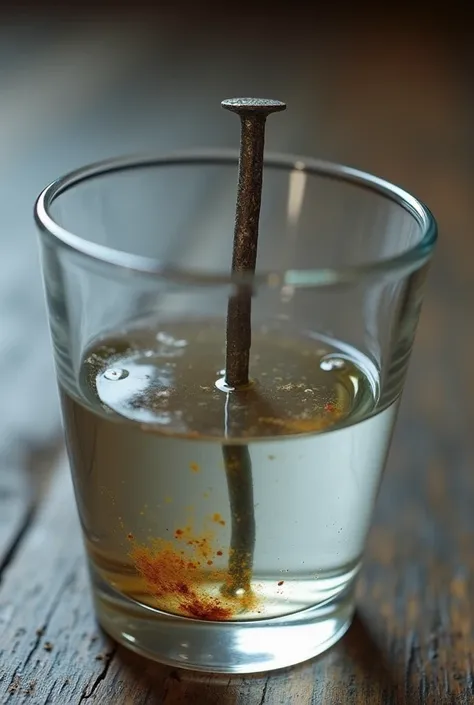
(49, 643)
(15, 512)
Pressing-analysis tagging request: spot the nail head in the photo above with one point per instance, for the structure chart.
(255, 106)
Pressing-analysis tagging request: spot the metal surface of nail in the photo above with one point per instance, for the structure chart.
(253, 113)
(238, 464)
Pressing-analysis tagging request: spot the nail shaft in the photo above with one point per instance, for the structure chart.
(253, 114)
(238, 464)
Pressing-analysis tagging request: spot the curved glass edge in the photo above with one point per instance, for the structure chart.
(400, 265)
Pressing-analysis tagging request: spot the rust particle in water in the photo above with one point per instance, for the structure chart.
(281, 583)
(130, 537)
(177, 583)
(194, 467)
(217, 518)
(301, 424)
(213, 613)
(180, 582)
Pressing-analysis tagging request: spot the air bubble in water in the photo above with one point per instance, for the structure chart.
(332, 363)
(169, 340)
(115, 373)
(222, 386)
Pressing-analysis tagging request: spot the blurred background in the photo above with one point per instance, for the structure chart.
(390, 92)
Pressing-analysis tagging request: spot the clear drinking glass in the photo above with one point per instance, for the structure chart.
(224, 530)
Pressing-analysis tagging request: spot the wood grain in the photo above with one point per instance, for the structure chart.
(49, 646)
(397, 102)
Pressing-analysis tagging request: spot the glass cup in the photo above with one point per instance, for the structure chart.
(224, 528)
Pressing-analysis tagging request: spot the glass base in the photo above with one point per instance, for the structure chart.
(223, 647)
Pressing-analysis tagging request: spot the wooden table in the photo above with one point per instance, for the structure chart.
(395, 101)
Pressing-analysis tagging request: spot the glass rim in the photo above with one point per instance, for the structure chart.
(402, 263)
